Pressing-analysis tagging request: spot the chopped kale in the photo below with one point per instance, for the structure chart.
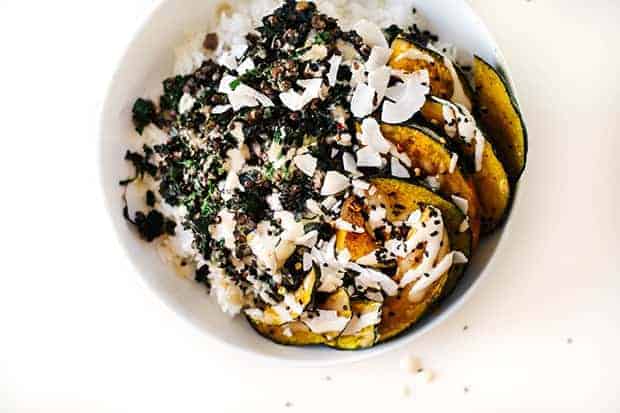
(150, 198)
(251, 203)
(235, 84)
(173, 91)
(152, 225)
(202, 276)
(141, 164)
(144, 113)
(392, 32)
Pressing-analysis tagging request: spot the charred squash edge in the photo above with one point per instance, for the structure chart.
(432, 114)
(275, 333)
(514, 168)
(349, 343)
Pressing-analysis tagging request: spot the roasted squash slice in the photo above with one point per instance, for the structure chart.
(400, 199)
(399, 313)
(294, 304)
(294, 333)
(365, 337)
(413, 197)
(491, 182)
(500, 116)
(427, 153)
(297, 332)
(446, 81)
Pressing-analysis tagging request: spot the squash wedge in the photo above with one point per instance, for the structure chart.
(430, 155)
(399, 313)
(294, 333)
(491, 182)
(500, 116)
(294, 304)
(297, 333)
(414, 197)
(364, 338)
(400, 199)
(446, 81)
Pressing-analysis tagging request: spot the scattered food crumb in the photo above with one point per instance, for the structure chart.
(410, 364)
(424, 376)
(570, 340)
(407, 391)
(288, 404)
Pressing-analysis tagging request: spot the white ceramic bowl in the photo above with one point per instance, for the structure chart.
(146, 63)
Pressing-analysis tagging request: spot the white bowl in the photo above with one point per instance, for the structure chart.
(146, 63)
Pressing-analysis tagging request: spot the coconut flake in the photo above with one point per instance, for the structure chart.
(343, 225)
(361, 185)
(358, 74)
(307, 262)
(334, 183)
(349, 164)
(228, 60)
(314, 207)
(398, 170)
(372, 136)
(464, 226)
(378, 58)
(295, 101)
(376, 217)
(369, 158)
(306, 163)
(369, 260)
(378, 80)
(479, 150)
(308, 240)
(316, 52)
(453, 162)
(461, 203)
(411, 102)
(219, 109)
(424, 377)
(396, 92)
(334, 65)
(414, 218)
(274, 203)
(362, 100)
(370, 33)
(242, 95)
(329, 202)
(186, 103)
(401, 156)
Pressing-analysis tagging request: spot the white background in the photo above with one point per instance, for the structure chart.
(80, 332)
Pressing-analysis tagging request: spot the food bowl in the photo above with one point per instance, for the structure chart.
(148, 60)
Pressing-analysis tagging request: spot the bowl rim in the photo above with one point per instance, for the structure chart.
(247, 351)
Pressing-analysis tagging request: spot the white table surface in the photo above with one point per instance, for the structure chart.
(80, 332)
